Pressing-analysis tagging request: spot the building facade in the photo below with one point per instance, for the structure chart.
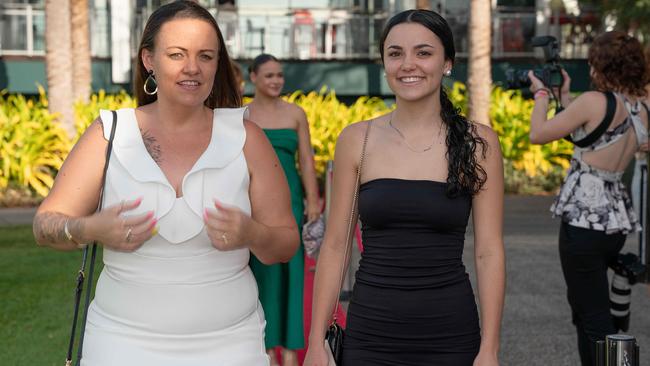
(322, 42)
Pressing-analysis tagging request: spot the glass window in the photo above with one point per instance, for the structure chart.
(99, 33)
(13, 32)
(515, 32)
(38, 27)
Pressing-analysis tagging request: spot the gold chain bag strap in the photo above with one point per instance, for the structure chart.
(334, 335)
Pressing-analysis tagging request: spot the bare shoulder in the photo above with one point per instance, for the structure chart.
(591, 98)
(293, 108)
(353, 133)
(254, 133)
(486, 133)
(94, 132)
(295, 111)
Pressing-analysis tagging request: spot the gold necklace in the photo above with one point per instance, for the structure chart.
(390, 123)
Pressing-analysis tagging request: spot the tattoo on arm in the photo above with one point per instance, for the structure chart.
(153, 147)
(48, 228)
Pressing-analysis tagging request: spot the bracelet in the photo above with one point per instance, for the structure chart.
(540, 92)
(66, 231)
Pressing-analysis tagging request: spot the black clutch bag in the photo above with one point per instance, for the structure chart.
(334, 340)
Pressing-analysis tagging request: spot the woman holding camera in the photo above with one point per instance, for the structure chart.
(593, 203)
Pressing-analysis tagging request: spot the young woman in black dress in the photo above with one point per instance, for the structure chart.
(426, 168)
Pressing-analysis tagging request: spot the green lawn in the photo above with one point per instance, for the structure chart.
(36, 299)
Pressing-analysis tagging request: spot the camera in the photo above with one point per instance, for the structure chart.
(628, 270)
(629, 266)
(550, 73)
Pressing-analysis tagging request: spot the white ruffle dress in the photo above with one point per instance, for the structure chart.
(176, 300)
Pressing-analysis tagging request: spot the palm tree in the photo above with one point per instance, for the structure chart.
(81, 65)
(58, 63)
(479, 75)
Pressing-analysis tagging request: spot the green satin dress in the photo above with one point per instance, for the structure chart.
(281, 285)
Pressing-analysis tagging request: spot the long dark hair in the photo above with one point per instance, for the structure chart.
(225, 91)
(465, 175)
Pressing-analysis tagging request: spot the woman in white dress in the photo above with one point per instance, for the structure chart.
(192, 188)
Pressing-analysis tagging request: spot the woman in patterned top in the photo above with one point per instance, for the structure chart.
(593, 203)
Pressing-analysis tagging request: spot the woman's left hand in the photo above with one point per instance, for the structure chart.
(485, 359)
(535, 83)
(227, 226)
(566, 83)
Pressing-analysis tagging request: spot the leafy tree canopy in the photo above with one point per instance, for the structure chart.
(630, 15)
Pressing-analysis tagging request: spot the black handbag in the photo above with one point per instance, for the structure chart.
(335, 334)
(81, 274)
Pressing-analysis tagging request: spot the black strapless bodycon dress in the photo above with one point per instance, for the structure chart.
(412, 302)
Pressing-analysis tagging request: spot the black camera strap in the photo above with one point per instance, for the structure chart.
(602, 127)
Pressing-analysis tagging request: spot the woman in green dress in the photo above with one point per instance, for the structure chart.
(281, 285)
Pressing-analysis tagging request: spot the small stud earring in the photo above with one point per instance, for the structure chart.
(384, 74)
(448, 72)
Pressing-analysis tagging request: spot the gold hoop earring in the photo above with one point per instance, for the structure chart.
(150, 79)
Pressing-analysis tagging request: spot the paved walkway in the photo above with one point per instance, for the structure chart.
(537, 327)
(16, 216)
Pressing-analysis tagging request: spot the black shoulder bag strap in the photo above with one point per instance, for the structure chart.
(81, 275)
(602, 127)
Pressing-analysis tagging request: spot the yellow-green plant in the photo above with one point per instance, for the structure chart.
(328, 116)
(510, 117)
(86, 113)
(33, 145)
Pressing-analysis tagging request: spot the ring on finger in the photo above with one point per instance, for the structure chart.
(224, 237)
(128, 235)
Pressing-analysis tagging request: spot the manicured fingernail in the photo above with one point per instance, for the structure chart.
(154, 232)
(205, 214)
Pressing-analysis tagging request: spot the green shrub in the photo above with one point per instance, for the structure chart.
(528, 168)
(85, 113)
(33, 146)
(327, 117)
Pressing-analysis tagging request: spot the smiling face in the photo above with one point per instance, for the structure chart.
(184, 60)
(268, 79)
(414, 60)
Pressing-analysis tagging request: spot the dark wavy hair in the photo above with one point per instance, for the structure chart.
(465, 175)
(225, 91)
(618, 63)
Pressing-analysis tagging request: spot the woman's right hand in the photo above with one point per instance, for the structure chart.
(123, 233)
(316, 355)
